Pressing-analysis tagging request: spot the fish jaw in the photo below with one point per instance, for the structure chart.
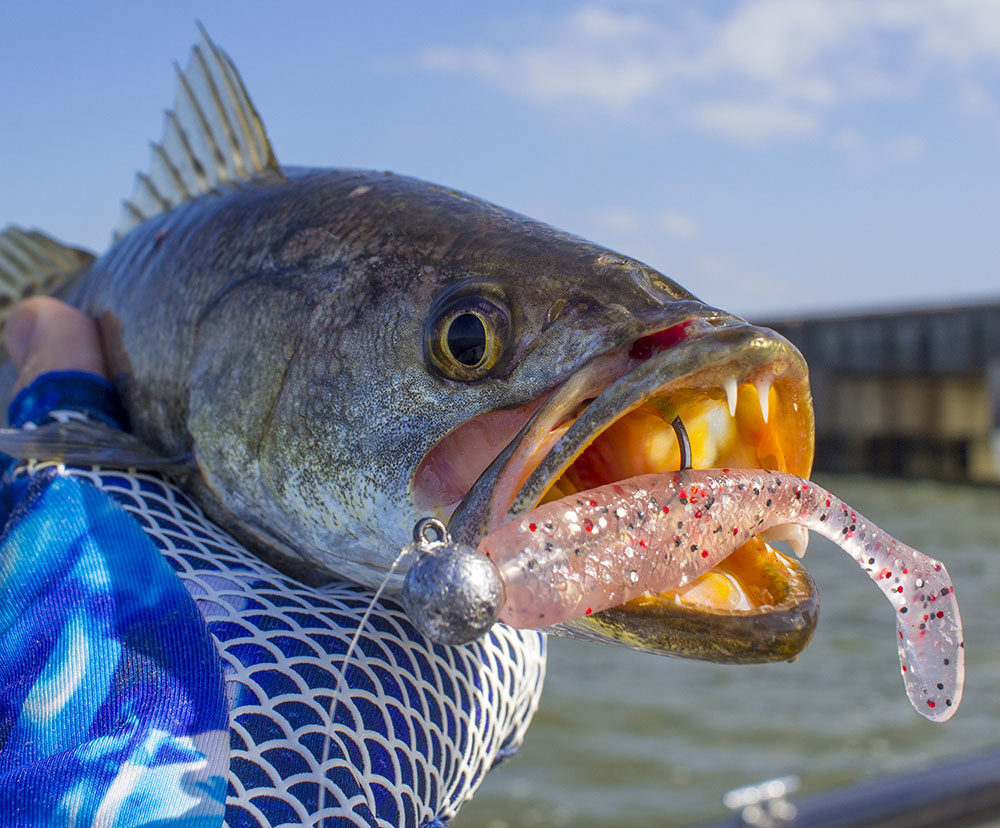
(742, 393)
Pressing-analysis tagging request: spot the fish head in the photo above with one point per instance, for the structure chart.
(441, 356)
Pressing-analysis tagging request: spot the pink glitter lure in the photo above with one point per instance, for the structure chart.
(657, 532)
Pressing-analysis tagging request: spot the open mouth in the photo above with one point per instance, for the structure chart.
(742, 396)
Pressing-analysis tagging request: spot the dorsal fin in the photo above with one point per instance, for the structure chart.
(212, 136)
(31, 263)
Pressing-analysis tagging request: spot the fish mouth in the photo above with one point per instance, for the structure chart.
(742, 394)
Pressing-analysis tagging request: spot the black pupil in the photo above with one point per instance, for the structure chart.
(467, 339)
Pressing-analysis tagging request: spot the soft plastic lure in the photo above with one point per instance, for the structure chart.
(656, 532)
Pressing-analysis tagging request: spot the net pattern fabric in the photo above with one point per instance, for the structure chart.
(417, 726)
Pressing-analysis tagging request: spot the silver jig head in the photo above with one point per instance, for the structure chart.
(453, 593)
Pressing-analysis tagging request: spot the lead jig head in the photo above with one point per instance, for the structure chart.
(453, 593)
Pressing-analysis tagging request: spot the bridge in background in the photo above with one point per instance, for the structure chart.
(911, 393)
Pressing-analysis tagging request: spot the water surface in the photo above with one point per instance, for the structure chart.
(623, 740)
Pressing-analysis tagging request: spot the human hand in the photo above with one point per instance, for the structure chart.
(44, 334)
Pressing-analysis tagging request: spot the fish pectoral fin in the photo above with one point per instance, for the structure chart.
(87, 444)
(33, 263)
(211, 137)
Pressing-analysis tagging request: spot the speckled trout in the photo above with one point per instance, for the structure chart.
(329, 355)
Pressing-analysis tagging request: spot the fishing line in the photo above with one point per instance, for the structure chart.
(342, 679)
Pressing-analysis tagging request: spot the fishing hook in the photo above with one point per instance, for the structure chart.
(683, 442)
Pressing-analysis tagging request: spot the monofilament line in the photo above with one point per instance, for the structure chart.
(341, 687)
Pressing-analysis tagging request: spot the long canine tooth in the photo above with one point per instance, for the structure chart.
(730, 388)
(794, 535)
(763, 394)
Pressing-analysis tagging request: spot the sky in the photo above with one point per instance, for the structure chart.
(776, 157)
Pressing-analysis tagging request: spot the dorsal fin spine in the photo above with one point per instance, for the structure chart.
(236, 154)
(212, 137)
(196, 166)
(206, 129)
(256, 136)
(32, 263)
(168, 165)
(135, 211)
(18, 253)
(153, 192)
(255, 160)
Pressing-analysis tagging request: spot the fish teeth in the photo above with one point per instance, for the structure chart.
(794, 535)
(763, 394)
(729, 386)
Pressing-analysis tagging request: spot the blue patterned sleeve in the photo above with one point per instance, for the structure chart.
(67, 393)
(112, 702)
(138, 632)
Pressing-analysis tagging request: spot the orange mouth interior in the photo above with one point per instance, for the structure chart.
(642, 441)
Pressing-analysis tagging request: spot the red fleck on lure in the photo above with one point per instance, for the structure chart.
(657, 532)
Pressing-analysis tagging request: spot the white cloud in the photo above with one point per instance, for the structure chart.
(755, 121)
(762, 70)
(956, 30)
(906, 148)
(619, 220)
(975, 100)
(622, 221)
(850, 141)
(679, 225)
(782, 43)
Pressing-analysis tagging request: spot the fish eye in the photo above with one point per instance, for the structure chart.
(467, 337)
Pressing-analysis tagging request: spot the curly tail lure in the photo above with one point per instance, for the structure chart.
(654, 533)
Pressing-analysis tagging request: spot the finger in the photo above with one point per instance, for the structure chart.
(44, 334)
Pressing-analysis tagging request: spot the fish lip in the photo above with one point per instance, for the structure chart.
(766, 635)
(713, 352)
